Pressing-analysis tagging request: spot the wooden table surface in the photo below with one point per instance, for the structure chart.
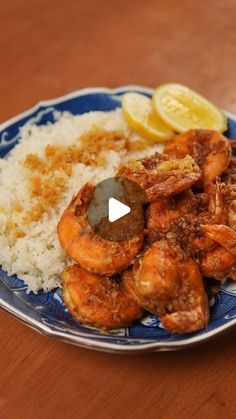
(48, 48)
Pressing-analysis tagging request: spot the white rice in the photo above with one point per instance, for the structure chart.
(37, 258)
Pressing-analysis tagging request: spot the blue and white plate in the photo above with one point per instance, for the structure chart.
(46, 312)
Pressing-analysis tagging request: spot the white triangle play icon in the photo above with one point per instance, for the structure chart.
(116, 209)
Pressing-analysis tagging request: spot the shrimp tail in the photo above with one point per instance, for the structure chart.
(168, 187)
(186, 321)
(223, 235)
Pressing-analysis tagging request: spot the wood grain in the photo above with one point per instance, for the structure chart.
(50, 47)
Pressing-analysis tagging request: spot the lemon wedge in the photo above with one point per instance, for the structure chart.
(182, 109)
(139, 113)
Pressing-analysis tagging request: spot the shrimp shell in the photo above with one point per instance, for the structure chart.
(210, 149)
(168, 283)
(98, 301)
(89, 250)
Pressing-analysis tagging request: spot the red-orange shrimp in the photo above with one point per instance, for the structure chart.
(84, 246)
(210, 149)
(168, 283)
(179, 218)
(160, 175)
(98, 301)
(218, 263)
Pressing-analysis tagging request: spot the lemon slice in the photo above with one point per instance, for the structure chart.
(139, 113)
(182, 109)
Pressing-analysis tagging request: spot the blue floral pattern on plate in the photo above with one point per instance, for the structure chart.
(46, 312)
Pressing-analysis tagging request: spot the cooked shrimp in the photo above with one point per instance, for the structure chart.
(229, 176)
(179, 218)
(210, 149)
(168, 283)
(173, 218)
(229, 193)
(223, 235)
(230, 205)
(218, 263)
(162, 176)
(89, 250)
(128, 278)
(98, 301)
(215, 213)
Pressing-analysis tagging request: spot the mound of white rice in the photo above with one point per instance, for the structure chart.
(37, 258)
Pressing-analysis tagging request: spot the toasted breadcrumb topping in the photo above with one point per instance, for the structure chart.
(49, 175)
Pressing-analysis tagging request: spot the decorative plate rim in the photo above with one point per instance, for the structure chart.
(83, 341)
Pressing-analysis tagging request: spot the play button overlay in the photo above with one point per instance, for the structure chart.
(116, 210)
